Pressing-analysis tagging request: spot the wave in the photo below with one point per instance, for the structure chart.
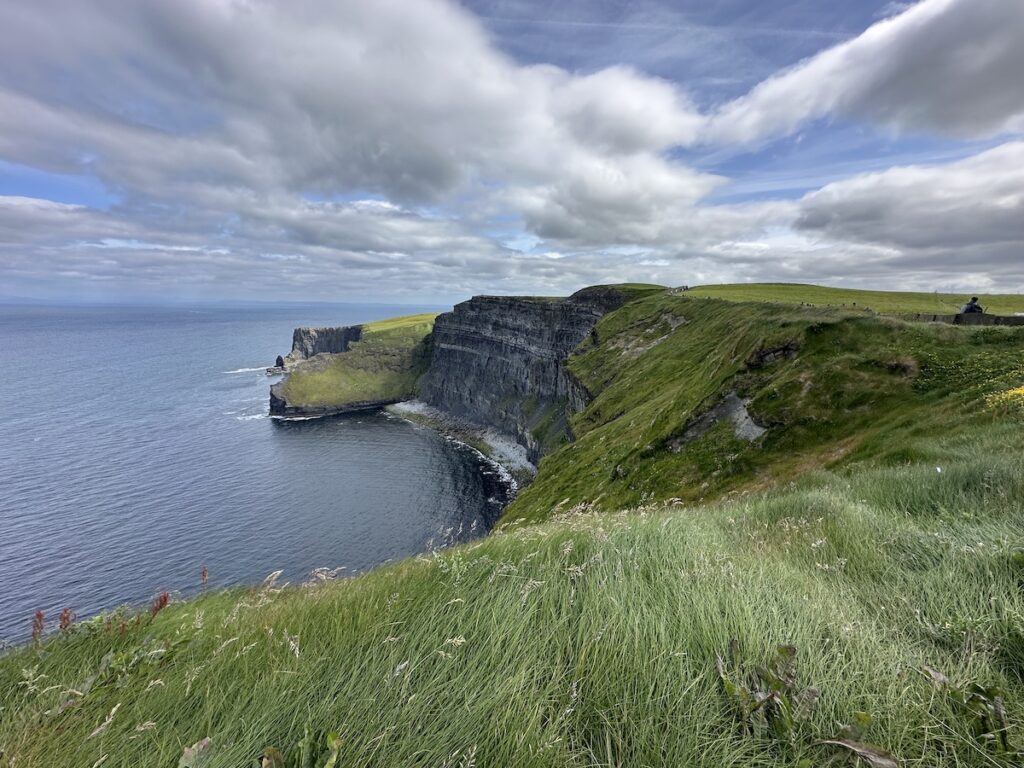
(246, 370)
(251, 417)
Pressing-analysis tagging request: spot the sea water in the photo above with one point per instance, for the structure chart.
(136, 449)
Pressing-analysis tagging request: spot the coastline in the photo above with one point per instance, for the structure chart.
(499, 450)
(510, 469)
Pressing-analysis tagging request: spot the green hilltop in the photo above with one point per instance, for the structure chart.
(676, 588)
(846, 387)
(383, 365)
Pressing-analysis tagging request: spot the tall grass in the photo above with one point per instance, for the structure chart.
(590, 640)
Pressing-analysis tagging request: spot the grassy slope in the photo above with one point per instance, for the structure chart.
(885, 302)
(585, 642)
(858, 389)
(591, 640)
(383, 365)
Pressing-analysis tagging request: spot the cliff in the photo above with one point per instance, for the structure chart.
(354, 368)
(499, 361)
(309, 342)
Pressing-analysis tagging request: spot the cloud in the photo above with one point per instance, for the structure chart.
(405, 99)
(928, 223)
(225, 118)
(323, 149)
(977, 201)
(942, 66)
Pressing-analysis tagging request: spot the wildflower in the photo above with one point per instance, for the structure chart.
(159, 603)
(204, 576)
(456, 641)
(67, 616)
(38, 625)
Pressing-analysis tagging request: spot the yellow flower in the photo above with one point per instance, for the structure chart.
(1010, 398)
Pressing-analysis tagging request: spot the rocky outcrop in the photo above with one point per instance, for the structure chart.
(281, 408)
(309, 342)
(730, 408)
(499, 361)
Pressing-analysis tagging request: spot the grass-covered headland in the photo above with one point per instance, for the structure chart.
(383, 365)
(845, 586)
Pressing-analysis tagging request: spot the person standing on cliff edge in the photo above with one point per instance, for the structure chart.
(972, 307)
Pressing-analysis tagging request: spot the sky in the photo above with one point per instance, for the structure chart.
(422, 151)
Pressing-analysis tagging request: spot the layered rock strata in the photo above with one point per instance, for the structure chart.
(500, 361)
(309, 342)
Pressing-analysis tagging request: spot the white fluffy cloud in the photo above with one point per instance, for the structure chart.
(974, 202)
(942, 66)
(405, 99)
(341, 148)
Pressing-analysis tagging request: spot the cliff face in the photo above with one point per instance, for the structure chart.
(308, 342)
(499, 361)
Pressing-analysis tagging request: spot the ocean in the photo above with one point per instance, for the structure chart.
(136, 449)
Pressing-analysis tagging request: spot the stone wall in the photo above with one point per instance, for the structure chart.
(975, 318)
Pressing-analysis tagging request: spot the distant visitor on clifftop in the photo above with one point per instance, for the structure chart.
(972, 307)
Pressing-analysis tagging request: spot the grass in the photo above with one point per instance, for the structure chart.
(857, 389)
(884, 302)
(384, 365)
(586, 641)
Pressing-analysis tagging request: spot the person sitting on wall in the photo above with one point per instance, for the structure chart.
(972, 307)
